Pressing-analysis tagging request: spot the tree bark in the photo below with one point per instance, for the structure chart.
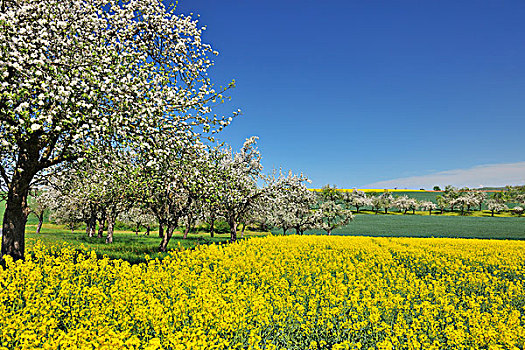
(91, 224)
(148, 229)
(101, 224)
(93, 228)
(161, 230)
(163, 247)
(111, 225)
(15, 217)
(109, 237)
(233, 231)
(357, 208)
(186, 231)
(284, 231)
(16, 211)
(430, 212)
(212, 228)
(40, 222)
(329, 231)
(492, 213)
(189, 226)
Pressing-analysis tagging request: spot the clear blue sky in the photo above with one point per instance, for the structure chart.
(357, 92)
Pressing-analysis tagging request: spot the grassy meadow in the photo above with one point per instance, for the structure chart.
(127, 245)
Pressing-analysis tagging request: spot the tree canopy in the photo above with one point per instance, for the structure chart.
(77, 76)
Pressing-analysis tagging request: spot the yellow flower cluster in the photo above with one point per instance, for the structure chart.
(296, 292)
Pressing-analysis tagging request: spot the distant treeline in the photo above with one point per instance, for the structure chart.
(450, 199)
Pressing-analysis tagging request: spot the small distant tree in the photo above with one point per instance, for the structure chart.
(517, 210)
(479, 198)
(442, 203)
(377, 202)
(333, 215)
(428, 205)
(515, 194)
(451, 195)
(39, 203)
(467, 199)
(405, 203)
(357, 199)
(291, 205)
(191, 215)
(137, 218)
(71, 199)
(413, 205)
(385, 201)
(240, 190)
(306, 218)
(496, 205)
(67, 211)
(520, 195)
(329, 193)
(212, 210)
(260, 215)
(436, 188)
(170, 177)
(305, 215)
(110, 184)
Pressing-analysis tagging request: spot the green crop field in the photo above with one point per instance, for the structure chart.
(434, 226)
(420, 196)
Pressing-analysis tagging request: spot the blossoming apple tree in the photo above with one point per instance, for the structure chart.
(292, 206)
(80, 74)
(428, 205)
(331, 213)
(357, 199)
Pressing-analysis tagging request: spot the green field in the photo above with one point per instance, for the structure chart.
(434, 226)
(419, 195)
(126, 245)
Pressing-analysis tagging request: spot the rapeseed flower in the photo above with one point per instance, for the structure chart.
(295, 292)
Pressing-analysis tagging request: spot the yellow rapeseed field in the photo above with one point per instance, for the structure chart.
(296, 292)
